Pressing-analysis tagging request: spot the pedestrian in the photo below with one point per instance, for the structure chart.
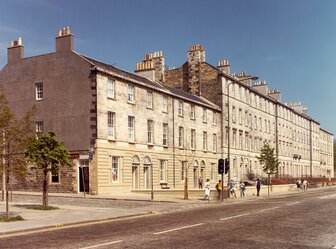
(232, 185)
(207, 190)
(258, 184)
(305, 185)
(242, 189)
(219, 188)
(298, 184)
(200, 182)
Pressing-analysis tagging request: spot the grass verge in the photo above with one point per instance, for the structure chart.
(37, 207)
(15, 218)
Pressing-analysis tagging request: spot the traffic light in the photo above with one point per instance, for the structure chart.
(227, 165)
(220, 166)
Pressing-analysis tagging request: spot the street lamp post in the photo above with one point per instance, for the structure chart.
(269, 180)
(228, 102)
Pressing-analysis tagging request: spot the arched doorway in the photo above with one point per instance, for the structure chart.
(203, 171)
(135, 172)
(147, 173)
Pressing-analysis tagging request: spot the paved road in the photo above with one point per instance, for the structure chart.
(298, 221)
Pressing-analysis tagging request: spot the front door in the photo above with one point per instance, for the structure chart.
(146, 175)
(84, 176)
(135, 176)
(195, 177)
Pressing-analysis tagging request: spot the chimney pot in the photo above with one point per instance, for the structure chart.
(20, 41)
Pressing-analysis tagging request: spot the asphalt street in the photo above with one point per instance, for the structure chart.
(306, 220)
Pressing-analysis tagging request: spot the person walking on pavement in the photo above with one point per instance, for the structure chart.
(232, 185)
(305, 185)
(219, 188)
(242, 189)
(207, 190)
(200, 182)
(298, 185)
(258, 184)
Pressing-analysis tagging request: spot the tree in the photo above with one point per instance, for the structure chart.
(49, 155)
(15, 136)
(268, 159)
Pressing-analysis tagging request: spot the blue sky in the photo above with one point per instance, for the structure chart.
(289, 43)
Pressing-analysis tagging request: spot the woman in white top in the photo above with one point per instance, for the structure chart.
(207, 190)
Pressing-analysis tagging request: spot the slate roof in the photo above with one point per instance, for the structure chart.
(149, 83)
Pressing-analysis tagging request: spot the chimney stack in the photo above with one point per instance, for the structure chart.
(196, 54)
(224, 66)
(64, 40)
(152, 67)
(15, 52)
(275, 94)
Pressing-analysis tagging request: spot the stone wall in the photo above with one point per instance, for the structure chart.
(33, 181)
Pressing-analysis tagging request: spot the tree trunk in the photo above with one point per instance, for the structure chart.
(6, 190)
(45, 189)
(186, 185)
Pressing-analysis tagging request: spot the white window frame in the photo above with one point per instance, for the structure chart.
(110, 88)
(150, 131)
(192, 112)
(115, 169)
(213, 170)
(55, 175)
(131, 128)
(204, 117)
(181, 137)
(180, 108)
(130, 93)
(165, 134)
(111, 125)
(214, 142)
(39, 91)
(164, 103)
(193, 139)
(163, 171)
(39, 126)
(205, 141)
(149, 100)
(214, 118)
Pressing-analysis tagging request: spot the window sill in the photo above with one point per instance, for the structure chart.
(165, 146)
(111, 98)
(110, 139)
(131, 142)
(150, 144)
(131, 102)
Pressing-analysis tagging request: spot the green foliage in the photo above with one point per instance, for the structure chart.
(15, 135)
(268, 159)
(47, 153)
(39, 207)
(9, 219)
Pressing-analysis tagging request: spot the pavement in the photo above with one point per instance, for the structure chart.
(75, 209)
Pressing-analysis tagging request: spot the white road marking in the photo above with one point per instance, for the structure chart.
(236, 216)
(267, 209)
(105, 244)
(294, 203)
(179, 228)
(327, 197)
